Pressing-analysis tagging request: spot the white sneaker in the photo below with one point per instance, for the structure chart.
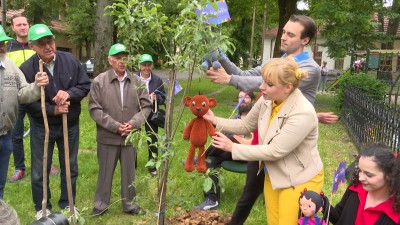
(39, 214)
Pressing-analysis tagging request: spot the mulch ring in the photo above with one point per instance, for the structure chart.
(197, 217)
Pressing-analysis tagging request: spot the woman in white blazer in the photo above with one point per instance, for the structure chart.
(288, 133)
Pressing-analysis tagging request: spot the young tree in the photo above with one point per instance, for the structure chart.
(185, 38)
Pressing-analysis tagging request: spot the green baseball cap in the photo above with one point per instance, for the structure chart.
(145, 58)
(117, 48)
(3, 35)
(38, 31)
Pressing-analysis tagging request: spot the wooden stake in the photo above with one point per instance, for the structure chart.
(68, 169)
(46, 143)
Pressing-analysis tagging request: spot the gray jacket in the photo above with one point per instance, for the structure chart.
(106, 108)
(14, 90)
(250, 80)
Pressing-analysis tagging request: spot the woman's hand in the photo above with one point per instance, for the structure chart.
(327, 117)
(209, 116)
(219, 140)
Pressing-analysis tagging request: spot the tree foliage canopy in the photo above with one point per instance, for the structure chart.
(350, 24)
(80, 19)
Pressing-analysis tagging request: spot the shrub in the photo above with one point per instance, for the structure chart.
(370, 86)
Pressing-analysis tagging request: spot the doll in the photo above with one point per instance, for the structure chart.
(310, 204)
(197, 130)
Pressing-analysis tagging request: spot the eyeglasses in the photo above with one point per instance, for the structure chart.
(44, 41)
(120, 58)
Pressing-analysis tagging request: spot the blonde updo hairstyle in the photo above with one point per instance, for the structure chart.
(283, 71)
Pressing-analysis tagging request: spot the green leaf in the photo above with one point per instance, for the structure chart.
(207, 185)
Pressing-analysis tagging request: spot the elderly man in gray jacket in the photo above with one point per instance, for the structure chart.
(14, 90)
(118, 105)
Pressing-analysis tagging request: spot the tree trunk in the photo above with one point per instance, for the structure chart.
(393, 24)
(162, 184)
(381, 21)
(88, 49)
(103, 37)
(252, 39)
(286, 9)
(264, 30)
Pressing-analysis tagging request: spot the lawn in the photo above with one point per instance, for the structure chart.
(184, 189)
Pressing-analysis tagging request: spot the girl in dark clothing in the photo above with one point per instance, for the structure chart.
(373, 195)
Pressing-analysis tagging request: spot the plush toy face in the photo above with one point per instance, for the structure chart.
(199, 104)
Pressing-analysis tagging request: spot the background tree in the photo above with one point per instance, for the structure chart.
(103, 36)
(38, 11)
(346, 24)
(80, 19)
(239, 28)
(392, 14)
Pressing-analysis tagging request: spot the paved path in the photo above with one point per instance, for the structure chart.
(184, 75)
(180, 75)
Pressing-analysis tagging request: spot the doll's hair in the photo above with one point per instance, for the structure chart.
(283, 71)
(388, 162)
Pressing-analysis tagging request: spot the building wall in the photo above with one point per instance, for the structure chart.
(62, 41)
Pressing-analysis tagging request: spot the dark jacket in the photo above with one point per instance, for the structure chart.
(156, 83)
(68, 75)
(345, 212)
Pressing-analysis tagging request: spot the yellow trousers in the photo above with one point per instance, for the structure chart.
(282, 205)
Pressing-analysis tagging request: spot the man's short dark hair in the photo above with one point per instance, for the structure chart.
(310, 29)
(16, 16)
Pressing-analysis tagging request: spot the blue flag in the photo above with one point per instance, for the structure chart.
(221, 15)
(339, 176)
(237, 106)
(178, 87)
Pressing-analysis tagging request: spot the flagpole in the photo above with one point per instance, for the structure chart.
(329, 209)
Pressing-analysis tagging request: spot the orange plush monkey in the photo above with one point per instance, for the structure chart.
(197, 129)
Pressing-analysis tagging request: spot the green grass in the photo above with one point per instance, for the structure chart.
(184, 189)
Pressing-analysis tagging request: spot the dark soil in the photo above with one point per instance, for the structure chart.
(197, 217)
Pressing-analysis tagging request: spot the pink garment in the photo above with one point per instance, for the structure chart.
(310, 221)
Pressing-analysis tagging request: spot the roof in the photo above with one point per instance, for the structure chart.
(385, 24)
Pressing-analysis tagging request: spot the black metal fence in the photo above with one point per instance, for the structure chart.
(368, 120)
